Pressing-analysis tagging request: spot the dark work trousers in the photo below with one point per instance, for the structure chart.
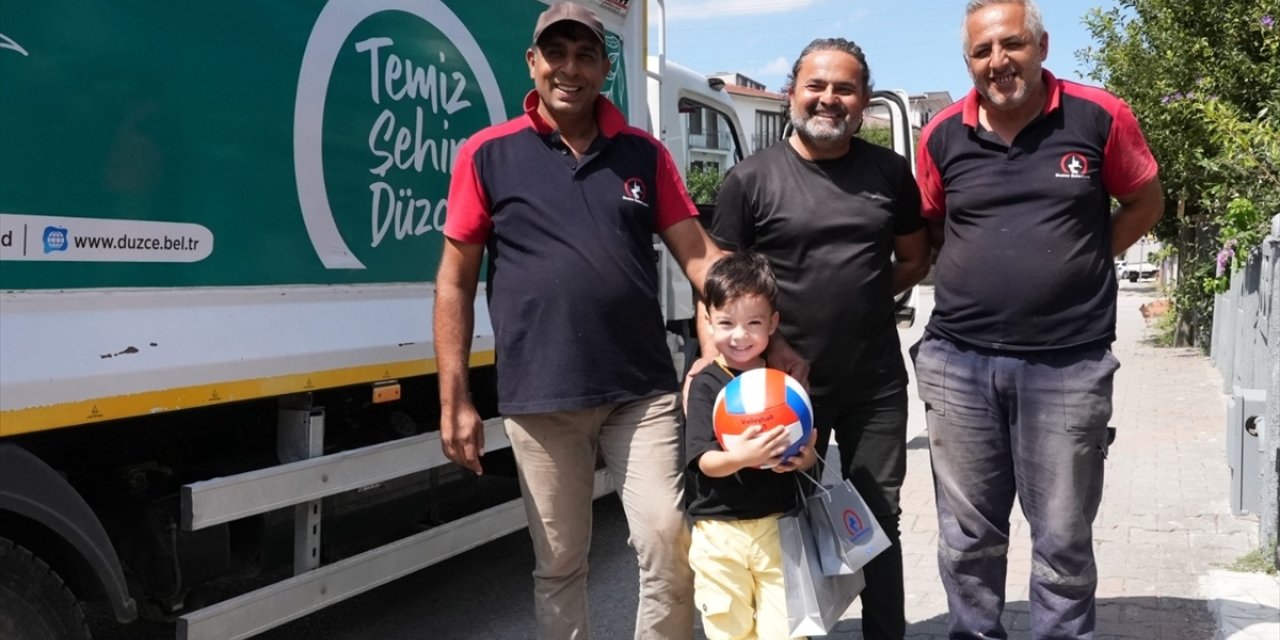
(1032, 425)
(872, 438)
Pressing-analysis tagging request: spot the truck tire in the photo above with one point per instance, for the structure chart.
(34, 602)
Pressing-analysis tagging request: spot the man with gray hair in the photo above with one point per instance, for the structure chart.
(1015, 368)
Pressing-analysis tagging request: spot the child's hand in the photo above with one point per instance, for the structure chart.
(759, 447)
(804, 459)
(790, 463)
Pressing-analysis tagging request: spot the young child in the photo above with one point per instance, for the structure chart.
(736, 553)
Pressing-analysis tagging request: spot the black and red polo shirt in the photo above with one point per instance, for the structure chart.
(572, 279)
(1026, 264)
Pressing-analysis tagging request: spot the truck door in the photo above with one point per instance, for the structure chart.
(887, 121)
(711, 148)
(695, 120)
(705, 143)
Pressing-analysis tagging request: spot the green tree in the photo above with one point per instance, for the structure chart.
(882, 136)
(1203, 77)
(703, 182)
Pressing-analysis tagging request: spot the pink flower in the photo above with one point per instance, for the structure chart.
(1225, 256)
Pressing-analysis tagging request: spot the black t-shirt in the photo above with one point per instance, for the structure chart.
(745, 495)
(828, 230)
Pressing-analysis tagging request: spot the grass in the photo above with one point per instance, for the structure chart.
(1164, 327)
(1259, 560)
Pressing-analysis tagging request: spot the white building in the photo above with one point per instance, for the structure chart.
(763, 117)
(762, 114)
(759, 110)
(926, 105)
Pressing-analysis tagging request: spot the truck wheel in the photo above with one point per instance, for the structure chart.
(34, 602)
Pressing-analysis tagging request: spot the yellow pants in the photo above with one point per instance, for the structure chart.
(737, 567)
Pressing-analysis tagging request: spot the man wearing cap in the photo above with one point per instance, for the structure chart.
(565, 198)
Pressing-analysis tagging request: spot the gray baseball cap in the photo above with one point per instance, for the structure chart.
(572, 12)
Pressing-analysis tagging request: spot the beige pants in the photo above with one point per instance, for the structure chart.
(738, 579)
(641, 445)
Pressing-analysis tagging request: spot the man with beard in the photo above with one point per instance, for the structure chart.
(1016, 368)
(831, 212)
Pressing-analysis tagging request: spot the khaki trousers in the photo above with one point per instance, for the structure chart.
(738, 579)
(642, 449)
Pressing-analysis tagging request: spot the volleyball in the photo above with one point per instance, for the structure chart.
(765, 397)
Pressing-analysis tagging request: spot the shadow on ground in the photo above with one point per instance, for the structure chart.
(1127, 618)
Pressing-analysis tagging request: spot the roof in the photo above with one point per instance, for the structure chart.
(754, 93)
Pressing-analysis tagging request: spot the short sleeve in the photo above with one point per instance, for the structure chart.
(468, 218)
(699, 434)
(1127, 161)
(933, 196)
(733, 227)
(906, 217)
(674, 203)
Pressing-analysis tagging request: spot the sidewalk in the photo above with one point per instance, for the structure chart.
(1164, 530)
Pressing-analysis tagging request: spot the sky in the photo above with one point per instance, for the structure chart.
(912, 45)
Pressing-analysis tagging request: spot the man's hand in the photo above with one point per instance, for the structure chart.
(782, 357)
(461, 431)
(462, 436)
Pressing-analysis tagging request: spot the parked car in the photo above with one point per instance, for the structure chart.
(1134, 272)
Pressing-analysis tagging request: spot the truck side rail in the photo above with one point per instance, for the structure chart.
(220, 500)
(315, 587)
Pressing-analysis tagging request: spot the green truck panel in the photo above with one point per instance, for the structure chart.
(244, 143)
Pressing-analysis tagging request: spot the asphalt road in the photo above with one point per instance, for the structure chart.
(486, 593)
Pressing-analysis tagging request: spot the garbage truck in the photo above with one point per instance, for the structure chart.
(219, 224)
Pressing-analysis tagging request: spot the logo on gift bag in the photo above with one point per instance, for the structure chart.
(854, 525)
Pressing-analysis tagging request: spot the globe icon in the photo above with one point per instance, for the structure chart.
(55, 239)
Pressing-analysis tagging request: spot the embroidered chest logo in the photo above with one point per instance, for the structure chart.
(633, 191)
(1074, 166)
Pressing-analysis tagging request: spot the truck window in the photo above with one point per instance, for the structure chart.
(877, 125)
(712, 149)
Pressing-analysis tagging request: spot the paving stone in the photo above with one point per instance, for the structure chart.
(1165, 521)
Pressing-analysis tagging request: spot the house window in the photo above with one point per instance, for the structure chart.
(769, 125)
(695, 122)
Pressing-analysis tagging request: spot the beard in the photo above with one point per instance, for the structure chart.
(819, 130)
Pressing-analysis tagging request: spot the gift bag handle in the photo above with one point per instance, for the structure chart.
(826, 495)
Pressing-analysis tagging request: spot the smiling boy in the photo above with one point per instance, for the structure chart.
(736, 553)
